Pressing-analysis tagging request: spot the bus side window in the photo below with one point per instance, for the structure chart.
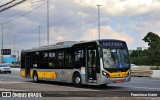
(52, 59)
(43, 59)
(69, 59)
(79, 59)
(61, 59)
(35, 57)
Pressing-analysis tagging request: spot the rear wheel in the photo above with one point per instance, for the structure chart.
(77, 81)
(35, 77)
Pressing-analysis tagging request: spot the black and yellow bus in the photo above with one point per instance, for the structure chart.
(97, 62)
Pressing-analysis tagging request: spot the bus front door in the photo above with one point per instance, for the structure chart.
(91, 66)
(27, 64)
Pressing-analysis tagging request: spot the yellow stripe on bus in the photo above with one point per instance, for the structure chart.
(49, 75)
(118, 74)
(31, 73)
(22, 73)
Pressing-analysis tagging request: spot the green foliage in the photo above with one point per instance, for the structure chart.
(155, 68)
(151, 56)
(151, 38)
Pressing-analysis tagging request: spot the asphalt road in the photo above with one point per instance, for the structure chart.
(13, 82)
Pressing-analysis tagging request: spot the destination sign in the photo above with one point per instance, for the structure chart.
(112, 43)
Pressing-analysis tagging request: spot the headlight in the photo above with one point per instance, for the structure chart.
(105, 74)
(129, 72)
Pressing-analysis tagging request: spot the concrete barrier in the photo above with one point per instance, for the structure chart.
(156, 74)
(144, 71)
(141, 73)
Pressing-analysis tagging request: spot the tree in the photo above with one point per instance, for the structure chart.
(153, 41)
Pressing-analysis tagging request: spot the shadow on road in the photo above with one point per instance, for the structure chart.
(94, 87)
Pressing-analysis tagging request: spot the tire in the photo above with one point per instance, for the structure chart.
(77, 80)
(35, 77)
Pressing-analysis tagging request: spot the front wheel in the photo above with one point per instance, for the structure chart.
(77, 81)
(35, 77)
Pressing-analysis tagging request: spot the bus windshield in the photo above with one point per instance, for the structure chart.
(115, 58)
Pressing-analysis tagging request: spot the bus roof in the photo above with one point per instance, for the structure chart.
(65, 44)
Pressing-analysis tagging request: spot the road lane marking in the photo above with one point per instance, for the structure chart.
(3, 89)
(147, 83)
(10, 82)
(11, 76)
(149, 80)
(139, 87)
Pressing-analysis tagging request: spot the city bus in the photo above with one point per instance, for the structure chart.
(97, 62)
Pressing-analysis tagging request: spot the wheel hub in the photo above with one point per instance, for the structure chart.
(35, 78)
(78, 80)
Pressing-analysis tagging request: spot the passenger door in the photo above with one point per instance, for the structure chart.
(91, 65)
(27, 64)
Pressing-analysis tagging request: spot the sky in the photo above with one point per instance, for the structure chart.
(77, 20)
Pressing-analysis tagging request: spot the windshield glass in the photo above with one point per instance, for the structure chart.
(115, 58)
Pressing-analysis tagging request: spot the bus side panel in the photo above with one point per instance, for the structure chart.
(60, 75)
(22, 73)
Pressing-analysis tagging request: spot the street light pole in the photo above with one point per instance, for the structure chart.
(14, 48)
(18, 57)
(47, 22)
(98, 22)
(39, 27)
(14, 44)
(2, 44)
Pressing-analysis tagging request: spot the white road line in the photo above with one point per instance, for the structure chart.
(10, 82)
(148, 83)
(140, 87)
(11, 76)
(158, 80)
(137, 82)
(3, 89)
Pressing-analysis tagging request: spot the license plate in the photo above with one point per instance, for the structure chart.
(118, 81)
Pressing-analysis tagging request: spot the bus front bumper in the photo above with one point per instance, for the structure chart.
(105, 80)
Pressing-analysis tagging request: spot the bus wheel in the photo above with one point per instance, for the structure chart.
(77, 80)
(35, 77)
